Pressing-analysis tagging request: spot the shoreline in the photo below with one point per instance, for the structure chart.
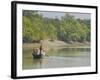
(57, 44)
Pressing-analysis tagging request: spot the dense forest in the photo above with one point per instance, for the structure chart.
(67, 29)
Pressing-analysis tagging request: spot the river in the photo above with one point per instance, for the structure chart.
(58, 58)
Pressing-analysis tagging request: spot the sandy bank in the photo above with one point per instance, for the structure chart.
(57, 44)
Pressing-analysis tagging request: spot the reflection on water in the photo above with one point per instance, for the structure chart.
(64, 57)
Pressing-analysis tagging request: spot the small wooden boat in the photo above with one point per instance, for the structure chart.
(38, 54)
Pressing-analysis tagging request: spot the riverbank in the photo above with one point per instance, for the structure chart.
(56, 44)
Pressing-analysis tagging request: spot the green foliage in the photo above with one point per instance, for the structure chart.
(68, 28)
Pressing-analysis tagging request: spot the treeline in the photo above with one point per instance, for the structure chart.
(68, 28)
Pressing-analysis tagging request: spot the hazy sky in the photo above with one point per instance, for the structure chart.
(60, 14)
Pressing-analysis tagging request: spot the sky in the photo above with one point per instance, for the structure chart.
(50, 14)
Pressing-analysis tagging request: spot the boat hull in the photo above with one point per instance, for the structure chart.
(35, 56)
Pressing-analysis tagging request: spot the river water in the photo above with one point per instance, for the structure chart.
(58, 58)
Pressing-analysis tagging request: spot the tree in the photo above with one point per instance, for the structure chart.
(68, 28)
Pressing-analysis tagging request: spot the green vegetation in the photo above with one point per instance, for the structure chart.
(67, 29)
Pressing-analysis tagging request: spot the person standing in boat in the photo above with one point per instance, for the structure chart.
(42, 51)
(41, 47)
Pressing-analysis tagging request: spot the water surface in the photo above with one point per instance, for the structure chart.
(56, 58)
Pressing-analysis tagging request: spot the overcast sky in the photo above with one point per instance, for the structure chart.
(60, 14)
